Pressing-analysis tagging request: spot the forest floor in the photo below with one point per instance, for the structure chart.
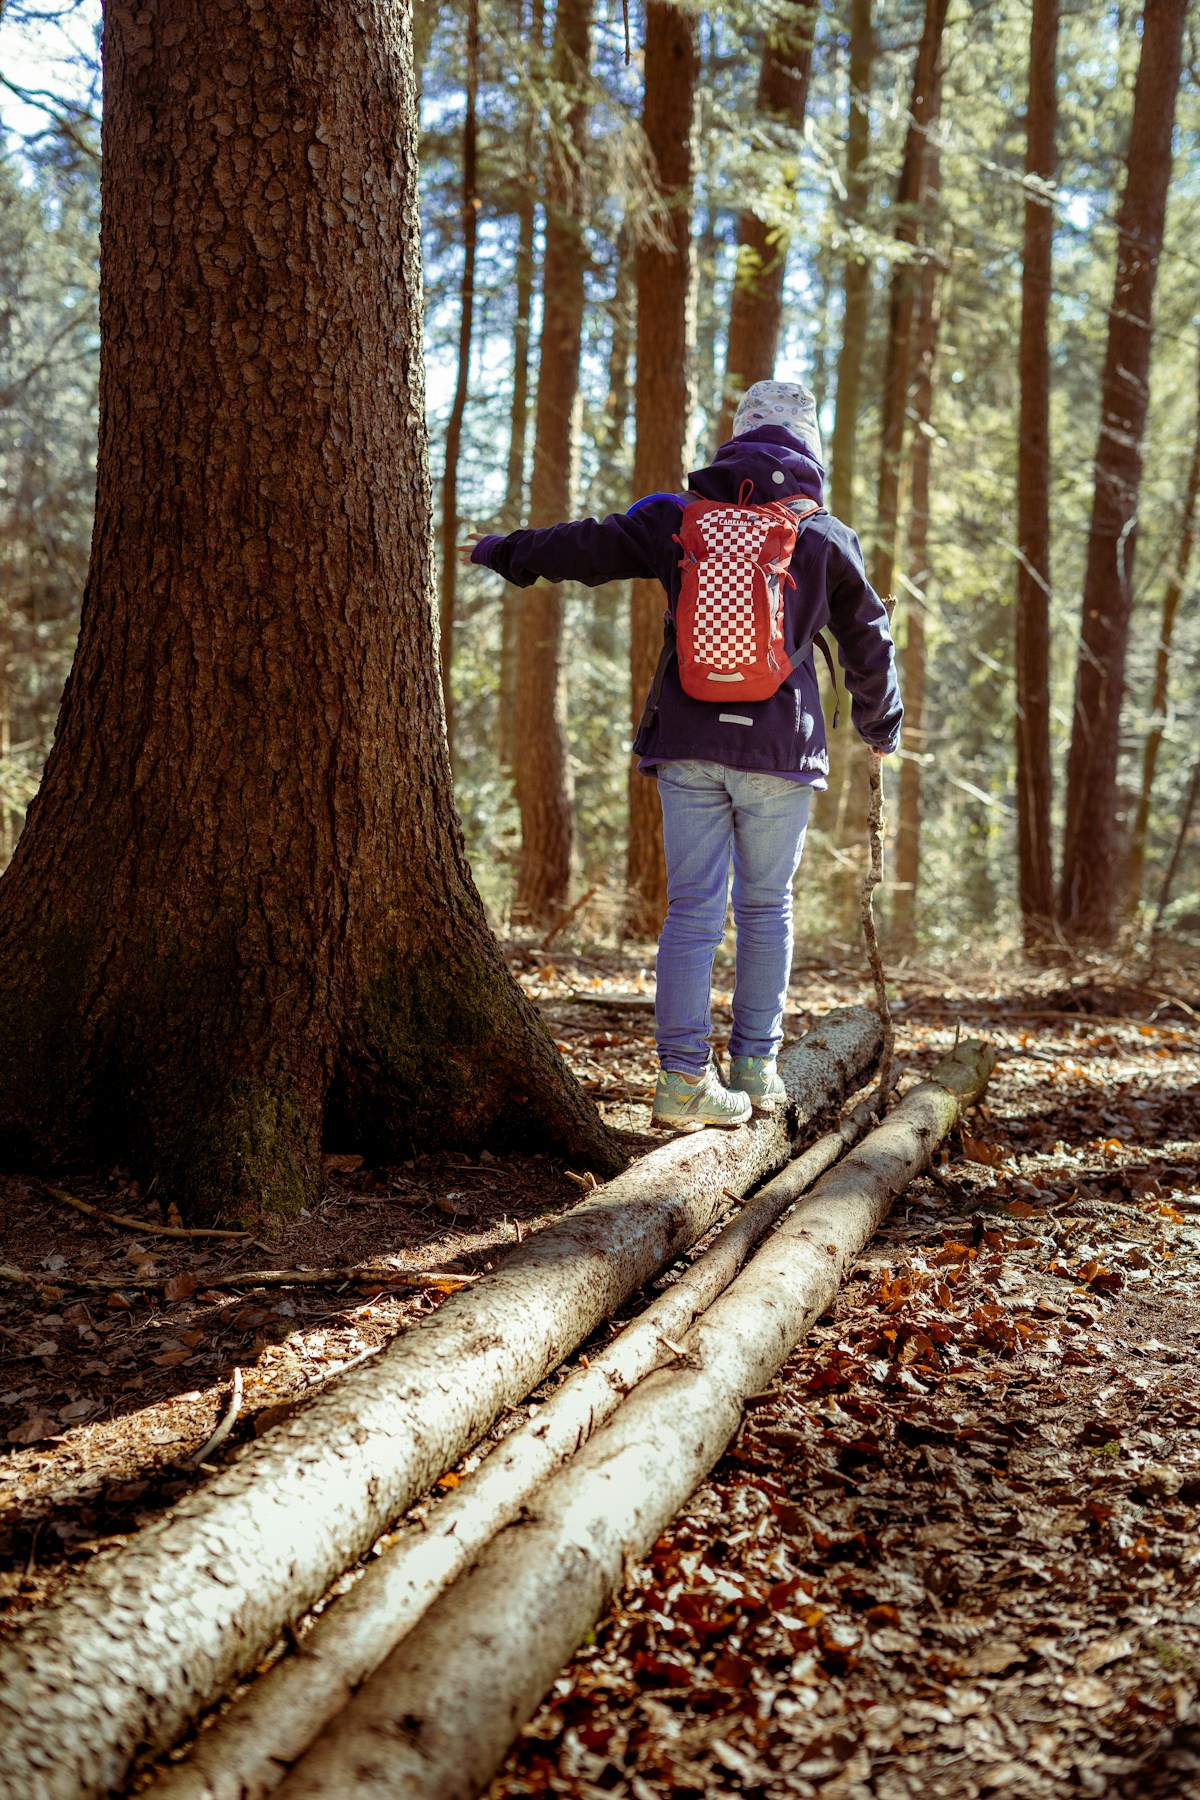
(954, 1551)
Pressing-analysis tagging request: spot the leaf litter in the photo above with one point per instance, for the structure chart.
(953, 1551)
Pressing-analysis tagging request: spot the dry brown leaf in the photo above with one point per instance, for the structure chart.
(181, 1286)
(1104, 1651)
(1089, 1690)
(994, 1657)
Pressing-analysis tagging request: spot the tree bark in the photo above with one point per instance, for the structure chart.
(908, 818)
(240, 912)
(844, 444)
(1035, 871)
(662, 399)
(923, 116)
(436, 1720)
(148, 1636)
(1172, 599)
(247, 1753)
(610, 437)
(466, 316)
(1091, 867)
(1181, 837)
(756, 308)
(908, 207)
(513, 515)
(544, 786)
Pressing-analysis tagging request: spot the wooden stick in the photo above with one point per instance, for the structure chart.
(171, 1231)
(567, 917)
(871, 880)
(227, 1423)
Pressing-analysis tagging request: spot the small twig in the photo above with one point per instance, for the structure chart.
(227, 1423)
(241, 1278)
(871, 880)
(570, 914)
(172, 1231)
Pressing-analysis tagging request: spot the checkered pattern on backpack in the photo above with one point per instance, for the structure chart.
(724, 627)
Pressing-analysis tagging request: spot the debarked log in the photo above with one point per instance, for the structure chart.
(128, 1654)
(247, 1751)
(435, 1720)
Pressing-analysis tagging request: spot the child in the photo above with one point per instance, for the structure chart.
(742, 778)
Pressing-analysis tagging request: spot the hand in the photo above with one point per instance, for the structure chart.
(467, 545)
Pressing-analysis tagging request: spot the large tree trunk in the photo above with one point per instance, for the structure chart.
(513, 514)
(149, 1635)
(466, 316)
(662, 399)
(1162, 669)
(756, 308)
(240, 907)
(544, 787)
(1091, 867)
(1035, 871)
(908, 819)
(844, 443)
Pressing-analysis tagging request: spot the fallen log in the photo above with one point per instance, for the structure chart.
(246, 1752)
(129, 1653)
(436, 1719)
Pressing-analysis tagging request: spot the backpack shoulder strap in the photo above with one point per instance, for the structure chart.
(820, 641)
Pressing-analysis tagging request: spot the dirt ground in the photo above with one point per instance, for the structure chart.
(954, 1551)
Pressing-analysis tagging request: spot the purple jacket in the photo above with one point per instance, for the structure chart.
(783, 735)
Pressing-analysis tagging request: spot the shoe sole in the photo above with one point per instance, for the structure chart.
(659, 1123)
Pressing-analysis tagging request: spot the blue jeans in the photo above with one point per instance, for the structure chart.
(708, 810)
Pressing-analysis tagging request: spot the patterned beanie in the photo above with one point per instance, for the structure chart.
(786, 403)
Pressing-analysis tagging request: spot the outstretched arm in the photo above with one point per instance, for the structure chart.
(592, 551)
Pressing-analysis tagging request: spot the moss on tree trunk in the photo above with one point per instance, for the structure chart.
(240, 916)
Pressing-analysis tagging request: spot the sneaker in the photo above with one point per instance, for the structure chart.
(690, 1102)
(757, 1078)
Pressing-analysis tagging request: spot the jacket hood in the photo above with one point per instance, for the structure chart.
(778, 463)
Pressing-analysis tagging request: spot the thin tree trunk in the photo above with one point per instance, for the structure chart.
(513, 515)
(1091, 868)
(854, 794)
(844, 444)
(1181, 837)
(1035, 870)
(470, 230)
(908, 823)
(544, 786)
(662, 399)
(134, 1648)
(610, 438)
(923, 116)
(847, 768)
(1172, 599)
(240, 914)
(756, 308)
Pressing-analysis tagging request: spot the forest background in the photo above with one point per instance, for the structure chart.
(513, 137)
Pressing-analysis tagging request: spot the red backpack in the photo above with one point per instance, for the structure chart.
(728, 627)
